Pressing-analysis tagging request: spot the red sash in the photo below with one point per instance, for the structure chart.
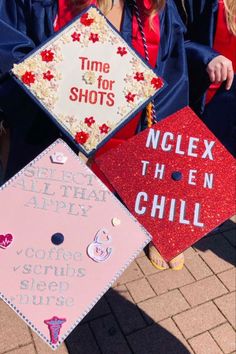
(224, 43)
(67, 10)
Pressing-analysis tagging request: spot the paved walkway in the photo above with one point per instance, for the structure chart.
(153, 312)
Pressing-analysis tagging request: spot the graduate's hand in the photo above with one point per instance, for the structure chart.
(221, 69)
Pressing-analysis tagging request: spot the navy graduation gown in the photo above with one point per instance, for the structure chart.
(200, 19)
(220, 114)
(24, 24)
(220, 117)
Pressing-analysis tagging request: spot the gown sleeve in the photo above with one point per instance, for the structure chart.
(199, 17)
(171, 63)
(14, 41)
(23, 25)
(198, 57)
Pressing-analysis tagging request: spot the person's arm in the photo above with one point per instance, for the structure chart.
(198, 58)
(216, 67)
(14, 41)
(206, 65)
(220, 69)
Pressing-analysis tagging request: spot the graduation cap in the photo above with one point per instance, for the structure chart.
(176, 178)
(73, 77)
(64, 240)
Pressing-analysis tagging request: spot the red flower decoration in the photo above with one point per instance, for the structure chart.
(48, 76)
(28, 78)
(81, 137)
(76, 37)
(122, 51)
(94, 37)
(157, 82)
(85, 20)
(47, 55)
(130, 97)
(139, 76)
(89, 121)
(104, 129)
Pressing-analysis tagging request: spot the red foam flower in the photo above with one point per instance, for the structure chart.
(104, 129)
(81, 137)
(157, 82)
(76, 37)
(28, 78)
(122, 51)
(89, 121)
(130, 97)
(47, 55)
(48, 76)
(139, 76)
(85, 20)
(94, 37)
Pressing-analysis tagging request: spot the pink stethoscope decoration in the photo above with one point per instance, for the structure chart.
(5, 240)
(99, 250)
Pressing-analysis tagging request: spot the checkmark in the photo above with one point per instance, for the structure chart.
(16, 268)
(19, 252)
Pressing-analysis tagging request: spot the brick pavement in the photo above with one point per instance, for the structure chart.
(153, 312)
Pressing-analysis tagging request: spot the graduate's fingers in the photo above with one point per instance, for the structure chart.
(211, 73)
(230, 77)
(218, 69)
(218, 73)
(224, 72)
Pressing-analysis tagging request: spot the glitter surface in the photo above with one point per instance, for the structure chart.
(175, 211)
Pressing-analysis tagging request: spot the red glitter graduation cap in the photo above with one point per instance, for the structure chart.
(176, 178)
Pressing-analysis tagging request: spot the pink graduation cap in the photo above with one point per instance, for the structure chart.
(176, 178)
(64, 240)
